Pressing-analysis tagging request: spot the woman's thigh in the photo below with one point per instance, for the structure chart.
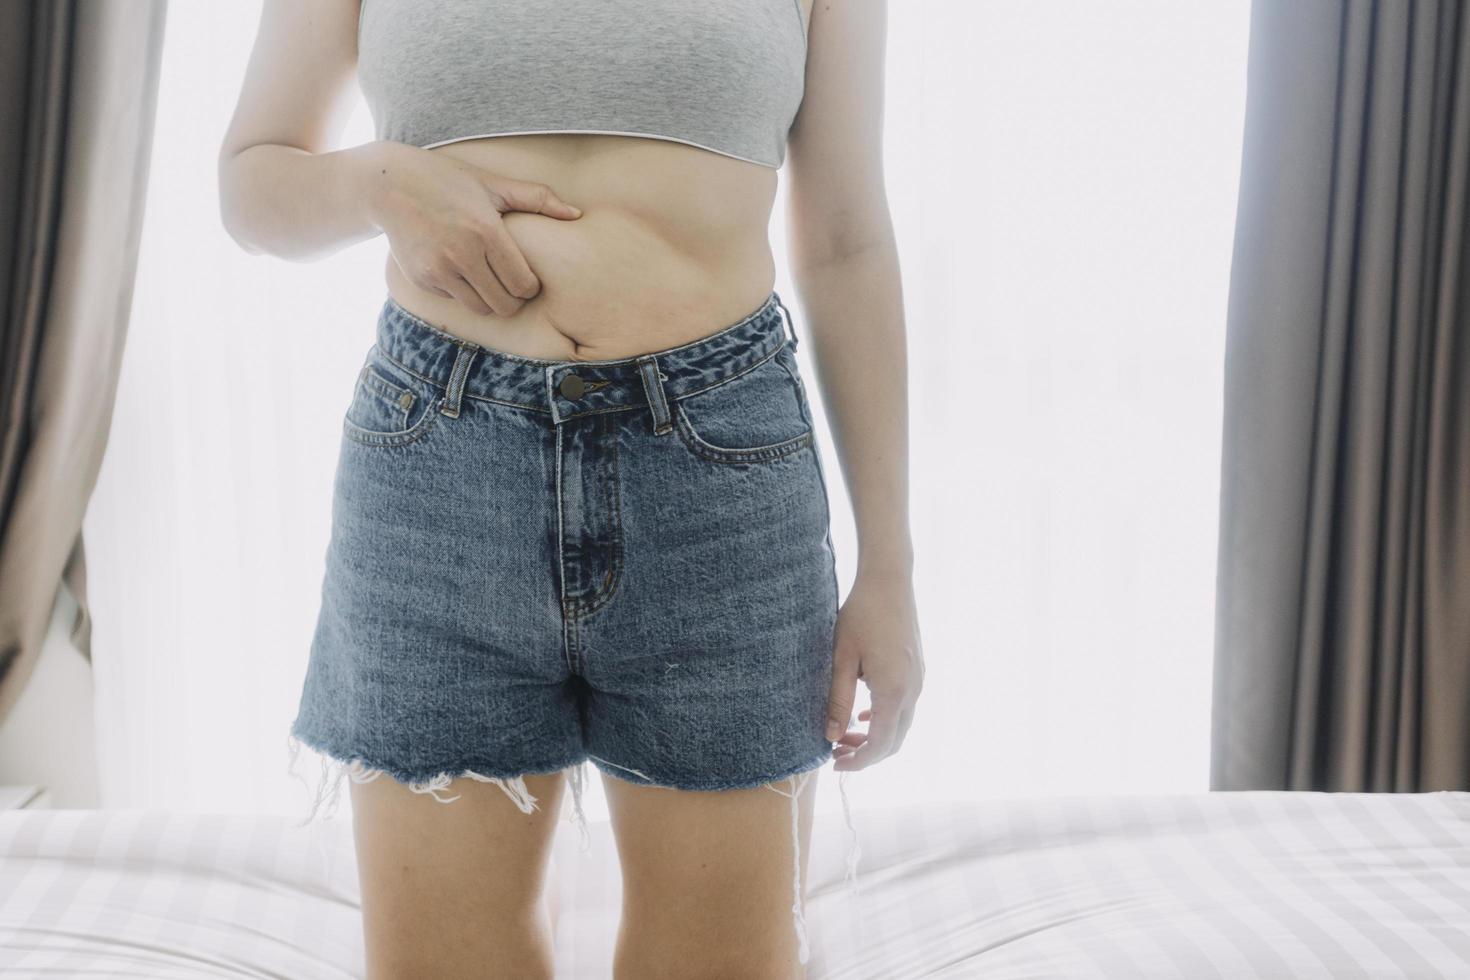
(455, 889)
(708, 879)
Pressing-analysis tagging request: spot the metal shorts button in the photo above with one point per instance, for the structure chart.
(572, 386)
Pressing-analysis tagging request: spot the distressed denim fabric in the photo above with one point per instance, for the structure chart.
(534, 563)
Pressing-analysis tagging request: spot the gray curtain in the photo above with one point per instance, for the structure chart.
(78, 89)
(1342, 657)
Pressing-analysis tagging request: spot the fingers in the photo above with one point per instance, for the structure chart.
(878, 643)
(489, 283)
(493, 263)
(870, 742)
(505, 256)
(901, 728)
(530, 195)
(880, 741)
(467, 295)
(844, 692)
(470, 254)
(484, 271)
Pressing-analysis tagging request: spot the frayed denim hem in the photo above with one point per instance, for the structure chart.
(335, 765)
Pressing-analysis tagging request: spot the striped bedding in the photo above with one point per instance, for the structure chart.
(1230, 885)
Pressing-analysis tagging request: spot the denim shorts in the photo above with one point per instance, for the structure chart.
(536, 563)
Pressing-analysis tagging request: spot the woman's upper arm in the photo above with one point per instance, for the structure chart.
(835, 195)
(299, 85)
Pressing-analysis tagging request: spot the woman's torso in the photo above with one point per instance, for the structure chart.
(671, 246)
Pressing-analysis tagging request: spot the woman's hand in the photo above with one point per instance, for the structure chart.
(877, 639)
(441, 217)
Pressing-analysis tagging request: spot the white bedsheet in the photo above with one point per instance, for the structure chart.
(1231, 885)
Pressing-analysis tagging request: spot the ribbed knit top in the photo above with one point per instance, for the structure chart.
(723, 75)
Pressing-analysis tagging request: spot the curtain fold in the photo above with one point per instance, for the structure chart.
(78, 92)
(1342, 656)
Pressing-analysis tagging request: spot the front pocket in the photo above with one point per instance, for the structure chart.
(389, 406)
(753, 417)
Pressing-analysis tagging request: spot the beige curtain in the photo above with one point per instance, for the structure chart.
(1342, 655)
(78, 90)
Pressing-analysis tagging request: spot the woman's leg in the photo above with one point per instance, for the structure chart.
(455, 889)
(695, 535)
(708, 879)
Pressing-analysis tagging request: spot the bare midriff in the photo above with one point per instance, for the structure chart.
(672, 245)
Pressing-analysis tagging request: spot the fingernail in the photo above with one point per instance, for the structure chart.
(832, 731)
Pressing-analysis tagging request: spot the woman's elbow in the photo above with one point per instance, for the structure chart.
(235, 201)
(230, 205)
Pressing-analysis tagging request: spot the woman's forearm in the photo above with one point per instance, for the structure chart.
(288, 202)
(853, 307)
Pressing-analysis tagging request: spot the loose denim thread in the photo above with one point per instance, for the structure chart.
(850, 875)
(803, 949)
(577, 775)
(329, 782)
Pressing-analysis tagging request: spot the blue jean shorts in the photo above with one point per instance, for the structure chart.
(538, 563)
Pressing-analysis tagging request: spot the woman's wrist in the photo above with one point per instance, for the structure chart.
(373, 172)
(892, 561)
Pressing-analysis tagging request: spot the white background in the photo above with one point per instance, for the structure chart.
(1062, 178)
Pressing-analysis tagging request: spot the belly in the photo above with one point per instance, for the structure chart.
(671, 246)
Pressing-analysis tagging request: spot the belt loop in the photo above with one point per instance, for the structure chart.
(786, 319)
(462, 358)
(653, 387)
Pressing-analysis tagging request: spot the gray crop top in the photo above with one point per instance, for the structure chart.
(724, 75)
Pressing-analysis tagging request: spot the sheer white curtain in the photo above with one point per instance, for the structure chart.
(1062, 178)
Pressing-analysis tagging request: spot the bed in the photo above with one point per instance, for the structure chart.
(1245, 884)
